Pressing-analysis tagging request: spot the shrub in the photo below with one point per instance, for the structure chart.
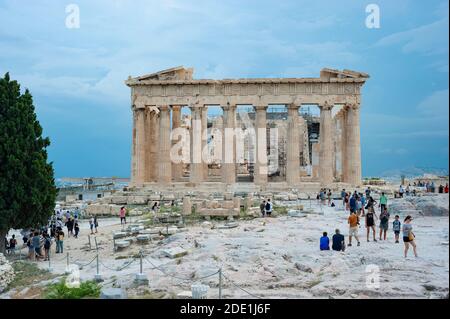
(87, 289)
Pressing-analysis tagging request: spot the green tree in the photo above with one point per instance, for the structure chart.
(27, 185)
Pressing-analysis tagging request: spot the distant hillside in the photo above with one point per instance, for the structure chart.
(413, 172)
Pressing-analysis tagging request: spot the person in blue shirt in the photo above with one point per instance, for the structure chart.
(324, 242)
(338, 241)
(353, 203)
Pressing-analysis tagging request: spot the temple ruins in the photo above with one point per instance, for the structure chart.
(288, 148)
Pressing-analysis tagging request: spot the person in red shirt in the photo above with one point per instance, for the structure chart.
(446, 189)
(122, 215)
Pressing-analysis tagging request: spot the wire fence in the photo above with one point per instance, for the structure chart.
(80, 264)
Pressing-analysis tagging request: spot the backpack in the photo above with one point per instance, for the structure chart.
(267, 206)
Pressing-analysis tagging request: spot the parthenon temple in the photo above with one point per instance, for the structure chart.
(291, 147)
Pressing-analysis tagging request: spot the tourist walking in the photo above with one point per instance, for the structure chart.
(338, 241)
(370, 223)
(262, 208)
(324, 242)
(47, 245)
(363, 204)
(60, 242)
(91, 224)
(77, 229)
(329, 197)
(346, 202)
(343, 195)
(368, 191)
(383, 202)
(353, 221)
(123, 215)
(37, 244)
(12, 244)
(384, 223)
(396, 225)
(352, 203)
(96, 224)
(269, 208)
(408, 236)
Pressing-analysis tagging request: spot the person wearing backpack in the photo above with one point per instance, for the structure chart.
(268, 208)
(384, 223)
(47, 245)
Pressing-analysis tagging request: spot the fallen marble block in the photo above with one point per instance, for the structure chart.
(184, 295)
(123, 244)
(175, 252)
(113, 293)
(228, 225)
(143, 238)
(296, 213)
(120, 235)
(150, 231)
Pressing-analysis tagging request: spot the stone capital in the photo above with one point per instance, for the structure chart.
(228, 107)
(176, 107)
(293, 106)
(353, 106)
(260, 107)
(163, 108)
(326, 106)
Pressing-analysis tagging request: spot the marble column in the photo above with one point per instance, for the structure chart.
(229, 144)
(133, 148)
(140, 147)
(196, 165)
(344, 135)
(154, 144)
(293, 147)
(177, 168)
(261, 169)
(354, 146)
(165, 164)
(204, 116)
(326, 145)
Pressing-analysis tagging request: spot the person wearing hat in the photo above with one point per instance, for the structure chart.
(408, 236)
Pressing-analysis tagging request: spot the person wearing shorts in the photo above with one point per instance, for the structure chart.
(384, 223)
(397, 225)
(408, 236)
(353, 221)
(370, 223)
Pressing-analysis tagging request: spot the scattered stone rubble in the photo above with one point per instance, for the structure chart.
(6, 273)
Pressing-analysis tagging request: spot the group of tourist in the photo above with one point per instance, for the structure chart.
(431, 188)
(266, 208)
(355, 204)
(324, 197)
(40, 240)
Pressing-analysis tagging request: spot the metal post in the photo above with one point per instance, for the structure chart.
(67, 260)
(96, 245)
(89, 238)
(220, 283)
(98, 266)
(140, 265)
(98, 277)
(49, 263)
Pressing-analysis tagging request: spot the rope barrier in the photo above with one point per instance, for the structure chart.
(179, 278)
(84, 265)
(120, 268)
(244, 290)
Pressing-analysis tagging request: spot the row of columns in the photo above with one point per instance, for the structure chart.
(151, 161)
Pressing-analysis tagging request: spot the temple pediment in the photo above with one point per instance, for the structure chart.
(332, 73)
(177, 73)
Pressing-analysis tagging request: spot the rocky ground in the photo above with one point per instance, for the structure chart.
(277, 258)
